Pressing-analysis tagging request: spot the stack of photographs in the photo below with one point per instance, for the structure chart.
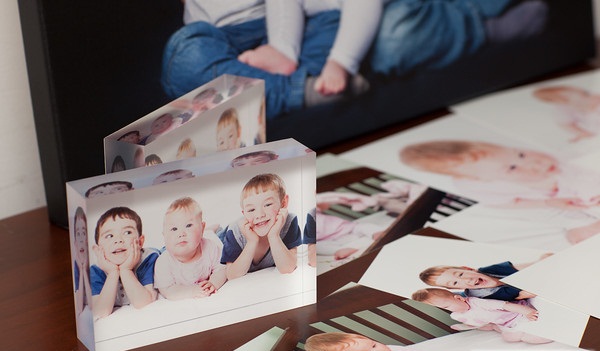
(513, 269)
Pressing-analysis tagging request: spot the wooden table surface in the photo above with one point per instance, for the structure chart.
(36, 298)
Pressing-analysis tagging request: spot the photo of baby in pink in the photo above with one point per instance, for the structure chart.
(579, 109)
(484, 314)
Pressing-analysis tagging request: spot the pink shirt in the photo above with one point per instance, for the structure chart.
(486, 311)
(169, 271)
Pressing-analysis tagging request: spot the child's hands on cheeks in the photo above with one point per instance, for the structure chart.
(247, 231)
(275, 230)
(103, 263)
(133, 257)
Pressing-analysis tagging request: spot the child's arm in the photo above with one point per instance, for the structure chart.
(103, 303)
(528, 311)
(241, 265)
(520, 266)
(524, 295)
(218, 277)
(560, 203)
(285, 26)
(139, 295)
(285, 259)
(578, 234)
(79, 293)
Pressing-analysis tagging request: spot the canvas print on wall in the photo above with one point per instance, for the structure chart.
(182, 247)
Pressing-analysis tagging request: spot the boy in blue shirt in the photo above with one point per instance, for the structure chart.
(267, 235)
(124, 273)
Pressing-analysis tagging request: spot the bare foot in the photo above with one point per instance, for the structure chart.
(269, 59)
(333, 79)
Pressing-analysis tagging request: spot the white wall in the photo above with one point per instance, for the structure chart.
(21, 186)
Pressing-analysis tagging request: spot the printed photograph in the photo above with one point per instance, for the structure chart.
(467, 279)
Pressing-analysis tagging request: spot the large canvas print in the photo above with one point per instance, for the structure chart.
(95, 67)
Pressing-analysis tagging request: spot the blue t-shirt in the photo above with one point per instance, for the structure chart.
(76, 275)
(310, 228)
(234, 242)
(144, 273)
(502, 292)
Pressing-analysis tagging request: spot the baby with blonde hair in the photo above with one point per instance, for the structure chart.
(496, 174)
(579, 109)
(484, 314)
(189, 268)
(338, 341)
(229, 131)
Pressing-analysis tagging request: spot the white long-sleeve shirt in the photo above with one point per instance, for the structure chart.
(358, 25)
(223, 12)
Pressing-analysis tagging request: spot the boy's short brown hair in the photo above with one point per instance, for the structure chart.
(264, 182)
(118, 212)
(116, 182)
(269, 154)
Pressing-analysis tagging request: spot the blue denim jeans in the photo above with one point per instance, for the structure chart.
(414, 34)
(430, 33)
(200, 52)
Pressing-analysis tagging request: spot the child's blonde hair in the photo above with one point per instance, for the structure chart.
(229, 116)
(330, 341)
(261, 183)
(443, 156)
(430, 275)
(424, 295)
(186, 149)
(185, 203)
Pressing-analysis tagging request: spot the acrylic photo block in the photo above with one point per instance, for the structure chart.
(259, 194)
(224, 114)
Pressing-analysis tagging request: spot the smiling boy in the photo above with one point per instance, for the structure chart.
(267, 235)
(483, 282)
(124, 273)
